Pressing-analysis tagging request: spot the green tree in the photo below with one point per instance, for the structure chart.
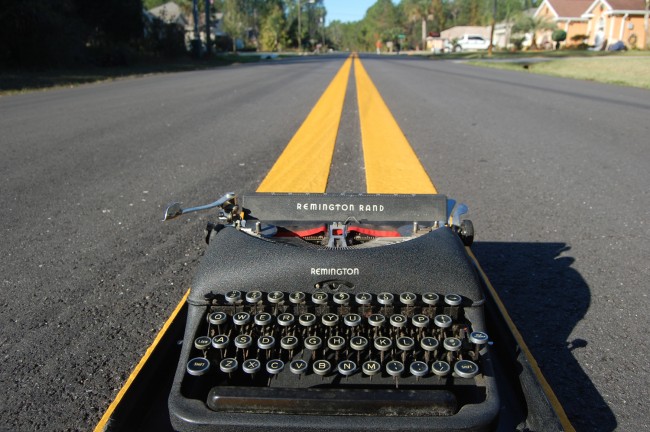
(233, 21)
(532, 25)
(273, 29)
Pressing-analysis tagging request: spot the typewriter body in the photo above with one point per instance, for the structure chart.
(345, 312)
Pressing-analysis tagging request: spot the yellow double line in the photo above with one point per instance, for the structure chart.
(391, 164)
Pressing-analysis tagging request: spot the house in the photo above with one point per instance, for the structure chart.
(170, 13)
(618, 20)
(568, 15)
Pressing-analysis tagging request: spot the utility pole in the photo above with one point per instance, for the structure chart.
(207, 27)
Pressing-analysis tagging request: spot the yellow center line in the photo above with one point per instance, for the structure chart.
(305, 163)
(391, 164)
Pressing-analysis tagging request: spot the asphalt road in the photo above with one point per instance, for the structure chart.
(555, 173)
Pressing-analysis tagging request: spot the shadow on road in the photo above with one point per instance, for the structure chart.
(546, 298)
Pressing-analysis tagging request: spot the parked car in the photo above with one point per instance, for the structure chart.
(471, 43)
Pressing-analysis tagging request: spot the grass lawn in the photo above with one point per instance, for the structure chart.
(628, 69)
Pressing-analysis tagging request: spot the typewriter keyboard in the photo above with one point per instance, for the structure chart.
(415, 351)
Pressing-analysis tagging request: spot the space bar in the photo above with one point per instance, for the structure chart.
(320, 401)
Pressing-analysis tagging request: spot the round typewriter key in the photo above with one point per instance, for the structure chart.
(358, 343)
(452, 344)
(453, 299)
(330, 319)
(220, 341)
(285, 319)
(307, 319)
(407, 298)
(443, 321)
(266, 342)
(420, 321)
(275, 297)
(298, 367)
(243, 341)
(394, 368)
(429, 343)
(319, 298)
(336, 343)
(321, 367)
(275, 366)
(398, 320)
(289, 342)
(478, 338)
(233, 296)
(363, 298)
(466, 369)
(217, 318)
(385, 298)
(347, 367)
(198, 366)
(405, 343)
(228, 365)
(376, 320)
(254, 297)
(251, 366)
(419, 368)
(382, 343)
(313, 343)
(202, 342)
(430, 298)
(241, 318)
(371, 368)
(440, 368)
(297, 297)
(341, 298)
(263, 319)
(352, 320)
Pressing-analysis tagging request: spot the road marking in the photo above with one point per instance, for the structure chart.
(305, 163)
(391, 164)
(103, 423)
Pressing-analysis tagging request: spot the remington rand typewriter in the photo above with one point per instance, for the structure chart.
(315, 312)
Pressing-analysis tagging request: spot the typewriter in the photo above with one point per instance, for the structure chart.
(337, 312)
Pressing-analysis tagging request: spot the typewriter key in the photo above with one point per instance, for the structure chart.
(429, 344)
(358, 343)
(398, 320)
(198, 366)
(321, 367)
(202, 343)
(347, 367)
(440, 368)
(266, 342)
(336, 343)
(253, 297)
(341, 298)
(233, 296)
(220, 341)
(217, 318)
(478, 338)
(407, 298)
(371, 368)
(307, 319)
(352, 320)
(319, 298)
(466, 369)
(395, 369)
(430, 298)
(275, 297)
(385, 299)
(251, 366)
(382, 343)
(452, 344)
(453, 299)
(289, 342)
(330, 319)
(298, 367)
(297, 297)
(420, 321)
(405, 343)
(263, 319)
(443, 321)
(285, 319)
(313, 343)
(228, 365)
(241, 318)
(363, 298)
(419, 369)
(376, 320)
(243, 341)
(274, 366)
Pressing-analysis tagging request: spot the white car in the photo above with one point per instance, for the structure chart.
(471, 43)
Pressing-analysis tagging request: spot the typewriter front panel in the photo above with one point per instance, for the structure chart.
(356, 344)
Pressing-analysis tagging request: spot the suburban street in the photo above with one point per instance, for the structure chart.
(555, 173)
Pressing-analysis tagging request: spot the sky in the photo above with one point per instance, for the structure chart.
(347, 10)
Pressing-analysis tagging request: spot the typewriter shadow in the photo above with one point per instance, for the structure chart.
(546, 298)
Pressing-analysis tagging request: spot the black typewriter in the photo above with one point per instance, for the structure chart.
(314, 312)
